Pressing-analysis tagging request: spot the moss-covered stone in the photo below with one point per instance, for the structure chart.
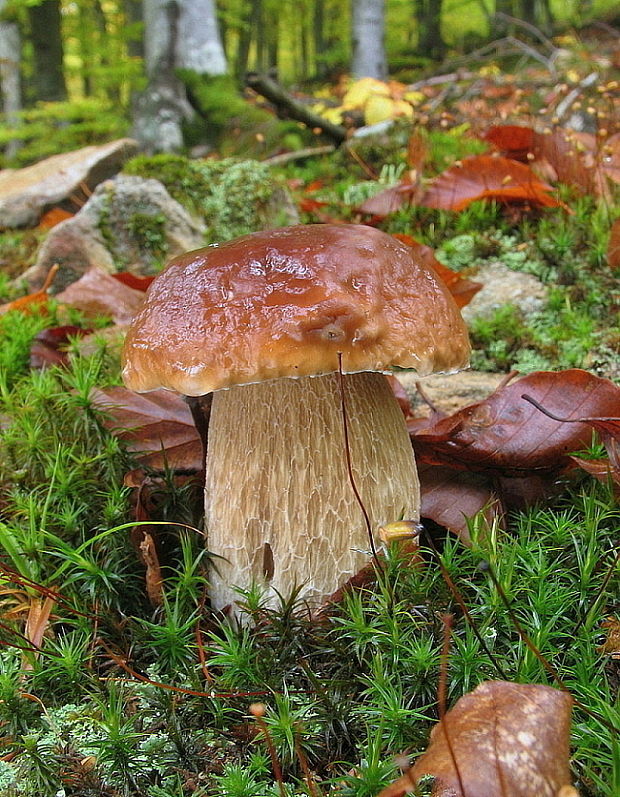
(233, 197)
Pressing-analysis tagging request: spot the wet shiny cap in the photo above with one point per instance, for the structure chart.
(284, 303)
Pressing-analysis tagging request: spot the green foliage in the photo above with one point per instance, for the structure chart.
(234, 197)
(233, 124)
(54, 127)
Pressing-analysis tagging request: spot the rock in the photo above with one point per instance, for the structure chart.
(449, 392)
(26, 193)
(502, 286)
(129, 224)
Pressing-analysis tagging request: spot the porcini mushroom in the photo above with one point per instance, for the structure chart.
(262, 321)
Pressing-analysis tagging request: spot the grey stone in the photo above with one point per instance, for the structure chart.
(129, 223)
(26, 193)
(502, 286)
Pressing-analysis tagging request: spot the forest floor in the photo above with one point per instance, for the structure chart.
(116, 677)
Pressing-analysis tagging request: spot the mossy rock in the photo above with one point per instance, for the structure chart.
(233, 197)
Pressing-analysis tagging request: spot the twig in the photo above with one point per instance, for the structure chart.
(309, 152)
(570, 98)
(522, 23)
(289, 107)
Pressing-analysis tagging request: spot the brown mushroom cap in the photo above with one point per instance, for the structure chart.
(284, 303)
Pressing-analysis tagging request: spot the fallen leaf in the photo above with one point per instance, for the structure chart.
(487, 177)
(462, 289)
(503, 740)
(33, 302)
(611, 646)
(49, 346)
(157, 426)
(97, 294)
(450, 498)
(390, 200)
(53, 217)
(133, 281)
(507, 435)
(613, 248)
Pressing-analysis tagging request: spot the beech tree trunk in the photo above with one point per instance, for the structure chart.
(48, 79)
(430, 40)
(368, 19)
(182, 34)
(10, 87)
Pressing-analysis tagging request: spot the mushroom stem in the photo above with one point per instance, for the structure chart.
(279, 505)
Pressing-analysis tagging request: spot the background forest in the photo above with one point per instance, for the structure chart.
(82, 67)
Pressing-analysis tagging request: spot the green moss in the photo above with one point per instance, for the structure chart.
(234, 125)
(233, 197)
(150, 233)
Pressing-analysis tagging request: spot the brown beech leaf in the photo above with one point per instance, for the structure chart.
(578, 159)
(507, 435)
(462, 289)
(97, 293)
(601, 469)
(613, 248)
(158, 426)
(53, 217)
(504, 740)
(33, 302)
(450, 498)
(390, 200)
(133, 281)
(488, 177)
(49, 346)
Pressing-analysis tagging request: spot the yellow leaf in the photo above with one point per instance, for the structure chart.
(362, 90)
(414, 97)
(377, 109)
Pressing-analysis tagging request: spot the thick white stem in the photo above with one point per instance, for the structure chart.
(279, 504)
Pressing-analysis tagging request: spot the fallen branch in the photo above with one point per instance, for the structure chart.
(290, 108)
(299, 154)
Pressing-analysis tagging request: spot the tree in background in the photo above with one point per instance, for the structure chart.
(428, 17)
(182, 34)
(48, 76)
(10, 84)
(368, 34)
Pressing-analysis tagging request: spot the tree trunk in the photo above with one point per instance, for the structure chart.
(48, 78)
(10, 87)
(369, 58)
(178, 34)
(430, 41)
(199, 45)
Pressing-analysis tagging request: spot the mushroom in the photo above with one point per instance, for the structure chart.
(269, 322)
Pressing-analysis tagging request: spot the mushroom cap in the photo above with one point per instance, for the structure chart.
(285, 303)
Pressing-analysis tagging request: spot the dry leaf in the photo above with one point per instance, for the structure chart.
(97, 294)
(486, 177)
(505, 740)
(158, 427)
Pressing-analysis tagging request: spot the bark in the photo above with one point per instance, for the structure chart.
(369, 59)
(48, 79)
(289, 107)
(10, 87)
(430, 41)
(178, 34)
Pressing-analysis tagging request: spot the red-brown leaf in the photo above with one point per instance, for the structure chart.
(158, 426)
(487, 177)
(462, 289)
(505, 740)
(507, 435)
(133, 281)
(97, 293)
(50, 345)
(53, 217)
(450, 498)
(613, 248)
